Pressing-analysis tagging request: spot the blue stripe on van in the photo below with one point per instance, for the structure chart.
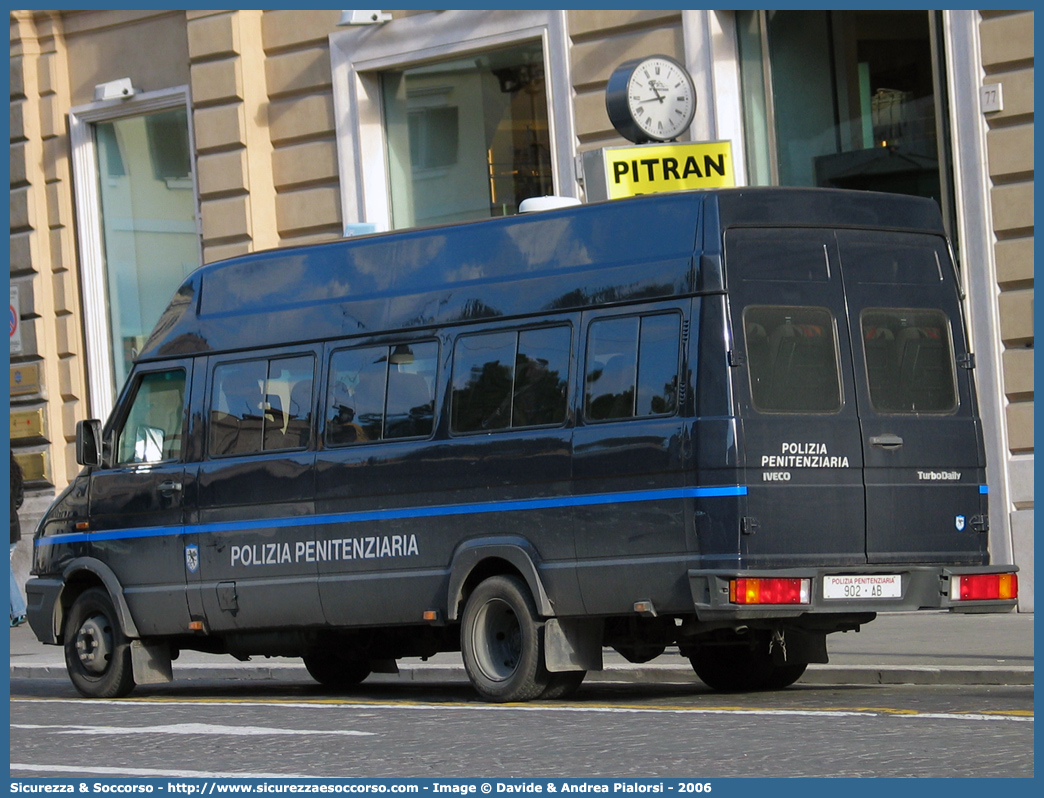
(405, 512)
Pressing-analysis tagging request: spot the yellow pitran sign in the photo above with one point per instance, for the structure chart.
(652, 168)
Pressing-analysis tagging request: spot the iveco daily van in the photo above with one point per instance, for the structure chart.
(724, 423)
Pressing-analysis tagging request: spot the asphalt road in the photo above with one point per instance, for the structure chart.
(296, 729)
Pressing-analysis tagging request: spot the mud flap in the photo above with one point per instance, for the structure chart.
(572, 644)
(151, 663)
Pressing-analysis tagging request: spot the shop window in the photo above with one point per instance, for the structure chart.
(446, 116)
(467, 138)
(845, 99)
(137, 217)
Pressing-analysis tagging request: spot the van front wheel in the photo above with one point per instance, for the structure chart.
(502, 641)
(97, 652)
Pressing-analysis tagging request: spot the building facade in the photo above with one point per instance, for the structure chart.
(144, 143)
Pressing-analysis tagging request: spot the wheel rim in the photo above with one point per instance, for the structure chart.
(94, 644)
(497, 640)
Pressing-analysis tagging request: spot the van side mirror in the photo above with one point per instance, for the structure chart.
(89, 442)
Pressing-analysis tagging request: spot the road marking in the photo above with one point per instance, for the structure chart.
(187, 728)
(150, 772)
(329, 703)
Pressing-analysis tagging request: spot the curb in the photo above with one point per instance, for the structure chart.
(647, 674)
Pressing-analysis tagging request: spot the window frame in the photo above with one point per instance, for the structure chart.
(357, 58)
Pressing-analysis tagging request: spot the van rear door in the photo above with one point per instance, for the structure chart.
(860, 430)
(924, 464)
(795, 399)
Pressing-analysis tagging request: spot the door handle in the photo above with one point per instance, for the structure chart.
(887, 441)
(169, 488)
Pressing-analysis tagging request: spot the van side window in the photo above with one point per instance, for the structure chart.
(632, 367)
(909, 360)
(510, 379)
(261, 406)
(381, 393)
(792, 359)
(153, 429)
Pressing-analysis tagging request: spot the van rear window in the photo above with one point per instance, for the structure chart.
(792, 359)
(909, 360)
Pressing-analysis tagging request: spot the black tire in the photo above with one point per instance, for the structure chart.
(337, 672)
(563, 685)
(784, 676)
(502, 641)
(97, 652)
(743, 668)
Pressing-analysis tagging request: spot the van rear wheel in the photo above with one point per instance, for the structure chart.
(563, 685)
(336, 672)
(502, 641)
(97, 652)
(741, 667)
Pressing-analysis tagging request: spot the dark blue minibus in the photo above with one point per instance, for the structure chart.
(723, 424)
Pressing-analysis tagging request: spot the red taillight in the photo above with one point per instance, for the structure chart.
(984, 587)
(769, 591)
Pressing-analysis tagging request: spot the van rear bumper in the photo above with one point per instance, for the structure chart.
(923, 587)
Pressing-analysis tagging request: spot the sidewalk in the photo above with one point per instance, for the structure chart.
(928, 648)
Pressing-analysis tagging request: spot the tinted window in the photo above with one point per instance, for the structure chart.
(381, 392)
(541, 377)
(355, 406)
(510, 379)
(792, 359)
(261, 405)
(632, 367)
(909, 360)
(409, 410)
(152, 431)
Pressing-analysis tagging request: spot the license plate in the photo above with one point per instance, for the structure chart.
(855, 586)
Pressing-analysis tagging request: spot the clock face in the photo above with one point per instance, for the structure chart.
(661, 98)
(651, 99)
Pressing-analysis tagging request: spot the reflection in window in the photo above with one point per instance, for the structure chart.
(152, 431)
(792, 359)
(909, 361)
(632, 367)
(382, 393)
(261, 406)
(510, 379)
(467, 138)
